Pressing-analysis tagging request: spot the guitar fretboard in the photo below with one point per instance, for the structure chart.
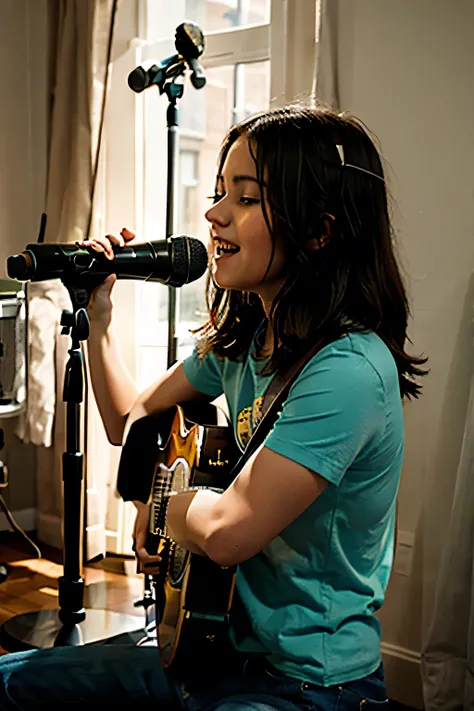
(162, 486)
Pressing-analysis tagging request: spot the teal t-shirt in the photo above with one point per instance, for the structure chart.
(309, 598)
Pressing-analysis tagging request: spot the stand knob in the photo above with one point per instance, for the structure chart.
(75, 323)
(82, 325)
(67, 321)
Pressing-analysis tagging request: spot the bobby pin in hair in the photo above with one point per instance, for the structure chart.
(340, 150)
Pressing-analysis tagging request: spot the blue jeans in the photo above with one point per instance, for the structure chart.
(128, 677)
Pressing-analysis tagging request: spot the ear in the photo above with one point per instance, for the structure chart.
(315, 243)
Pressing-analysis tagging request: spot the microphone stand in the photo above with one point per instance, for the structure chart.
(72, 624)
(174, 91)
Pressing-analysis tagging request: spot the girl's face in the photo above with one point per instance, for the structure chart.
(240, 242)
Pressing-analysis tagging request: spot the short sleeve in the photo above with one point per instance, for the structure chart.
(334, 410)
(204, 373)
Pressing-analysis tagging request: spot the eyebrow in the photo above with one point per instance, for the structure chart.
(239, 178)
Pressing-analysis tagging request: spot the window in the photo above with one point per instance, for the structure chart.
(188, 184)
(232, 93)
(241, 79)
(257, 53)
(214, 15)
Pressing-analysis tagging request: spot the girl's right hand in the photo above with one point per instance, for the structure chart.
(100, 305)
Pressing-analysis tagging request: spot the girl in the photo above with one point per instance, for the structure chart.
(300, 253)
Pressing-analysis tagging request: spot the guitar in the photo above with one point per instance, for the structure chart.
(184, 448)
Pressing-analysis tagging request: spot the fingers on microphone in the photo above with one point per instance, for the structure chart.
(127, 234)
(98, 246)
(106, 248)
(119, 241)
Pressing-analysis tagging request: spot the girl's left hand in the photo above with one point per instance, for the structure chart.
(147, 563)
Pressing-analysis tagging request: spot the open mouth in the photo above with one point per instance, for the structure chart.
(221, 247)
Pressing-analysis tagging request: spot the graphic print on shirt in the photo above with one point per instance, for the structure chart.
(247, 420)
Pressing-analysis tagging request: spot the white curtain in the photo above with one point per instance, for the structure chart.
(80, 40)
(448, 654)
(327, 76)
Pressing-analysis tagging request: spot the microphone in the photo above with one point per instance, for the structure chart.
(151, 72)
(174, 262)
(189, 43)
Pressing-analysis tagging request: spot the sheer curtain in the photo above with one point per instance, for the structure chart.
(448, 654)
(80, 40)
(327, 75)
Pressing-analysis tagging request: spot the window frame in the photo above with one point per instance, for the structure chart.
(288, 41)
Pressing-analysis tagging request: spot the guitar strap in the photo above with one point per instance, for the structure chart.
(273, 399)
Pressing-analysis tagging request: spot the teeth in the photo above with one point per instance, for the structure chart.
(223, 247)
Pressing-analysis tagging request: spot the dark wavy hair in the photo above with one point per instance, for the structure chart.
(352, 282)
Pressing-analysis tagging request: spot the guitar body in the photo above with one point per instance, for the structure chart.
(186, 448)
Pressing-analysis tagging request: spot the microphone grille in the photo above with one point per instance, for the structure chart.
(188, 260)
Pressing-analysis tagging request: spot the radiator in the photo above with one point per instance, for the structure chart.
(12, 350)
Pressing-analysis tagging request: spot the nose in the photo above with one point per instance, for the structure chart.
(217, 214)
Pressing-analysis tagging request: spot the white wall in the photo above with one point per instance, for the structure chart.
(23, 153)
(406, 68)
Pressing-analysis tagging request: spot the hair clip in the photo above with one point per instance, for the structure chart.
(340, 150)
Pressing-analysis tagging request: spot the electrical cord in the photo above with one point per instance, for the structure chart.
(16, 527)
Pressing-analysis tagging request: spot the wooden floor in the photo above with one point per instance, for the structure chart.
(111, 584)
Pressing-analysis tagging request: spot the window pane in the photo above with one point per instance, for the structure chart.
(224, 14)
(231, 93)
(252, 89)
